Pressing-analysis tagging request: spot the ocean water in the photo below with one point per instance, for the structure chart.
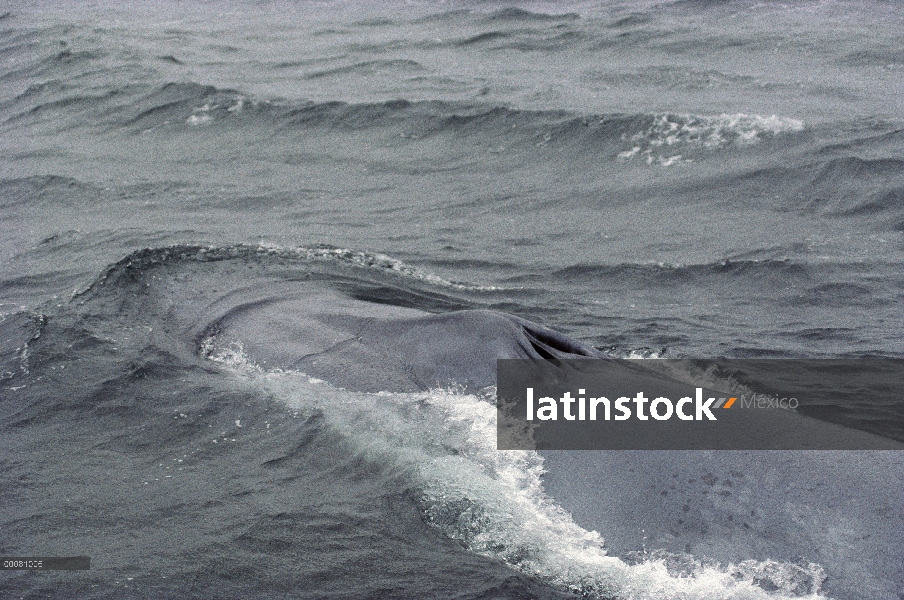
(655, 179)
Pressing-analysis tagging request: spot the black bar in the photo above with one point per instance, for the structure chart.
(754, 404)
(45, 563)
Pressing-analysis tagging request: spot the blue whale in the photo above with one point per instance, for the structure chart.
(372, 330)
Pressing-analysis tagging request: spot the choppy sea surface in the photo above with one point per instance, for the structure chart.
(656, 179)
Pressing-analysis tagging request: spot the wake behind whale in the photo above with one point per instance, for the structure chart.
(221, 408)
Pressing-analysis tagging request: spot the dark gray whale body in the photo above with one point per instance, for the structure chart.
(374, 347)
(362, 329)
(371, 330)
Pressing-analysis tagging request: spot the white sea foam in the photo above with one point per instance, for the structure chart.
(228, 104)
(494, 501)
(668, 132)
(201, 116)
(371, 260)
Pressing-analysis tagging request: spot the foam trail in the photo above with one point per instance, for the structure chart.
(494, 502)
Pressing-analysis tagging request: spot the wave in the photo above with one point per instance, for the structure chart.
(626, 136)
(642, 275)
(486, 36)
(519, 14)
(881, 56)
(370, 67)
(688, 131)
(371, 261)
(64, 63)
(788, 283)
(852, 167)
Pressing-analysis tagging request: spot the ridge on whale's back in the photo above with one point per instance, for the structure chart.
(319, 312)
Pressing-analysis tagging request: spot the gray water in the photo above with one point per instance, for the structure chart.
(656, 179)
